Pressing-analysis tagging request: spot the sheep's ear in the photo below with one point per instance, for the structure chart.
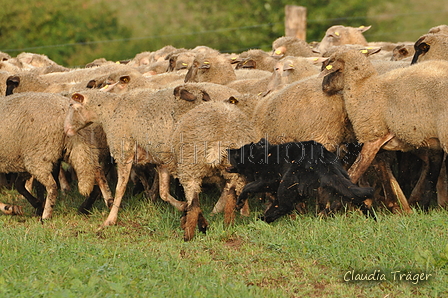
(235, 59)
(328, 68)
(78, 97)
(205, 65)
(184, 94)
(91, 84)
(370, 51)
(205, 96)
(247, 63)
(364, 28)
(125, 79)
(191, 74)
(172, 62)
(403, 51)
(317, 60)
(12, 82)
(232, 100)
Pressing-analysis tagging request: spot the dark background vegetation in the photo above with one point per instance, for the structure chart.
(75, 32)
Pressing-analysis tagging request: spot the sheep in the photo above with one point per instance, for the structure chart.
(4, 56)
(180, 59)
(255, 58)
(214, 68)
(431, 47)
(34, 139)
(341, 35)
(441, 29)
(199, 142)
(402, 51)
(386, 110)
(291, 46)
(137, 131)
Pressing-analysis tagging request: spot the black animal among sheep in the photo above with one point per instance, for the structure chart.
(290, 171)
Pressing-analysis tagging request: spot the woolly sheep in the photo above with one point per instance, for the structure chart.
(402, 51)
(290, 46)
(340, 35)
(255, 58)
(34, 140)
(138, 130)
(386, 110)
(431, 47)
(200, 140)
(441, 29)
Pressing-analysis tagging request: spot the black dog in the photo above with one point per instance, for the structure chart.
(290, 171)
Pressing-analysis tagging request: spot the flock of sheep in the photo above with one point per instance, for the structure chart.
(172, 113)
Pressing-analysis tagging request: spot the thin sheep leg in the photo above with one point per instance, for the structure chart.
(101, 181)
(164, 189)
(442, 195)
(192, 212)
(63, 182)
(366, 156)
(124, 171)
(52, 193)
(391, 187)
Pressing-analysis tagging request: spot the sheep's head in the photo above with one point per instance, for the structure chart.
(339, 35)
(402, 51)
(213, 68)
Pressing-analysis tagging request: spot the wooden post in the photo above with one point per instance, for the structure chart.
(295, 21)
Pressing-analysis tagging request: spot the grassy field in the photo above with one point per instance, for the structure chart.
(145, 256)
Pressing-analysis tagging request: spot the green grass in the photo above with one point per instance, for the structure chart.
(144, 254)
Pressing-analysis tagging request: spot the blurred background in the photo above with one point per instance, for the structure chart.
(76, 32)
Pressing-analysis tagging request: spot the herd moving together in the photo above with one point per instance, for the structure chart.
(342, 120)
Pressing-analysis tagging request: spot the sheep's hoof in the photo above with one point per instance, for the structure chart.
(110, 203)
(12, 210)
(202, 224)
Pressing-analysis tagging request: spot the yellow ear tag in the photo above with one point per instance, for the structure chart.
(278, 52)
(105, 87)
(361, 27)
(118, 62)
(328, 67)
(184, 64)
(233, 58)
(364, 51)
(336, 33)
(206, 62)
(291, 65)
(315, 59)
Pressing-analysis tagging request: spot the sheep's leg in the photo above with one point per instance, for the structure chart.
(11, 209)
(192, 213)
(63, 182)
(101, 181)
(229, 210)
(366, 156)
(391, 187)
(221, 203)
(124, 171)
(86, 206)
(426, 185)
(164, 188)
(19, 184)
(442, 187)
(154, 190)
(52, 192)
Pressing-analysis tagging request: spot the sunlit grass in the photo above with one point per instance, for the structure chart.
(144, 254)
